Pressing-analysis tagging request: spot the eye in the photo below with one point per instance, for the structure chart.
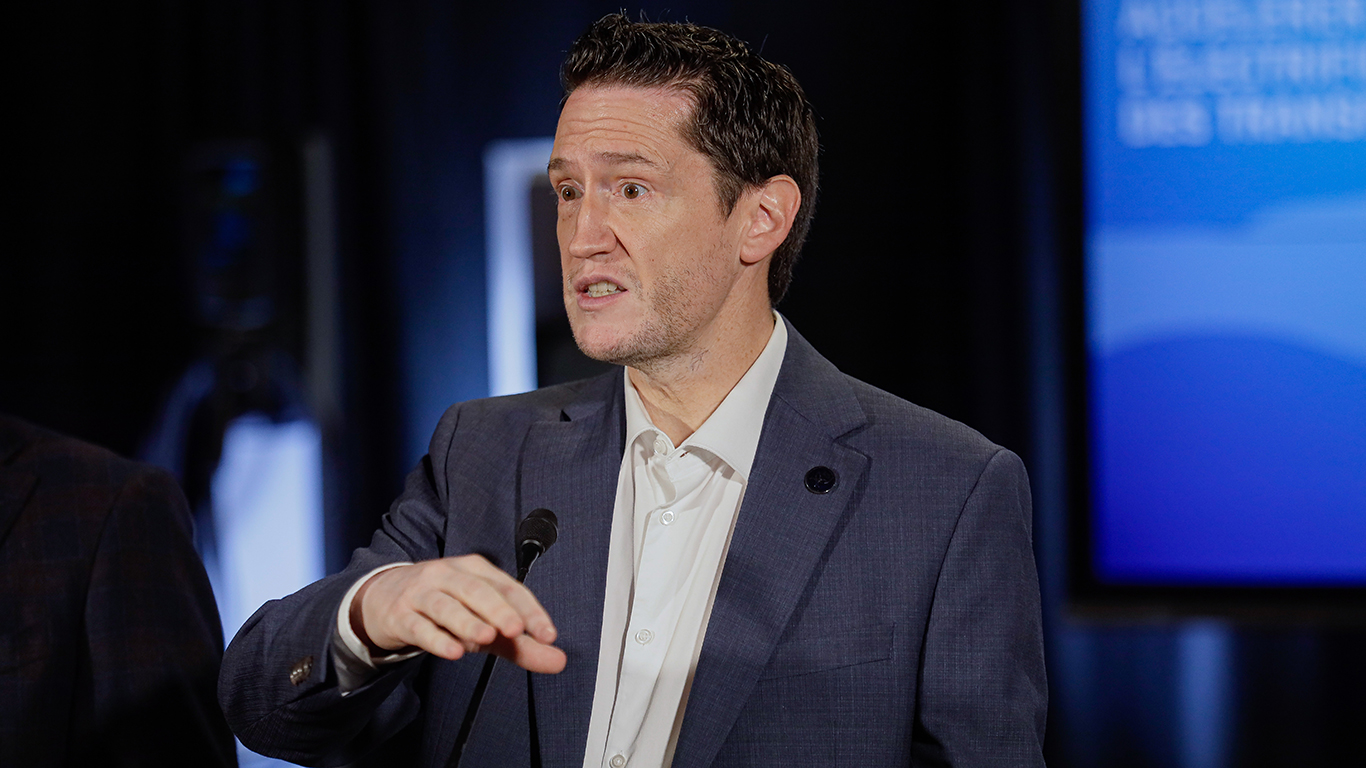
(631, 191)
(568, 193)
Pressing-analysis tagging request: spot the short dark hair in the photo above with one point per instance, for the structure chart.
(749, 117)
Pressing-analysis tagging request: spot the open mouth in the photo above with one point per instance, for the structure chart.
(602, 288)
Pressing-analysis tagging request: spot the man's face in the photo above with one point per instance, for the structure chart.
(649, 258)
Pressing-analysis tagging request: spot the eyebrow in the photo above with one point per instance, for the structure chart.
(610, 158)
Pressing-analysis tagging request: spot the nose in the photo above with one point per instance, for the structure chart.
(585, 233)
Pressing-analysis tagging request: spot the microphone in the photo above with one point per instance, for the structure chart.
(536, 533)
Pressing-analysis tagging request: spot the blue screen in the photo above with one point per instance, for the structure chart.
(1225, 273)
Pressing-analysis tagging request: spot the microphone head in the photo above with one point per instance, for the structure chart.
(540, 528)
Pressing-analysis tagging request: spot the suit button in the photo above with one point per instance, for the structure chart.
(821, 480)
(301, 670)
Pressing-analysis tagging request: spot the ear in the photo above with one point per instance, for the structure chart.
(771, 209)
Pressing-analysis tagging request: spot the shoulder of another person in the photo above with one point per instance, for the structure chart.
(99, 474)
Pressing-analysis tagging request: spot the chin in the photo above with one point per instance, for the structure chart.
(616, 347)
(597, 343)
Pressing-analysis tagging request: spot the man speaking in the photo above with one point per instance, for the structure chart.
(760, 561)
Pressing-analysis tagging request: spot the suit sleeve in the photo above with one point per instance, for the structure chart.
(278, 686)
(153, 637)
(983, 695)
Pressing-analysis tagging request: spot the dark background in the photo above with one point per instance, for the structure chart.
(941, 265)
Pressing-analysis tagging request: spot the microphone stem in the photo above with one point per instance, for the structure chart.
(530, 551)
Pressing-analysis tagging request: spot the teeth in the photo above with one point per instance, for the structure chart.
(602, 288)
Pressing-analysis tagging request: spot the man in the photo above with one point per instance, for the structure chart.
(760, 560)
(109, 637)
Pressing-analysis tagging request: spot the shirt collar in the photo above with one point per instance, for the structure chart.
(732, 431)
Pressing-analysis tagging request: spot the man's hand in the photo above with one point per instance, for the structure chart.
(454, 606)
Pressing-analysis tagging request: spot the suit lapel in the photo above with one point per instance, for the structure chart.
(781, 535)
(570, 467)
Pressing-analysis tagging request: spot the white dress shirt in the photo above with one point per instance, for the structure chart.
(675, 510)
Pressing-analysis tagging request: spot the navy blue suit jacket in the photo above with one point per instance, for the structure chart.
(892, 620)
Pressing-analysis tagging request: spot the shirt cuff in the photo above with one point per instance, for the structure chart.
(354, 662)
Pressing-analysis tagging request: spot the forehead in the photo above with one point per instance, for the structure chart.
(618, 121)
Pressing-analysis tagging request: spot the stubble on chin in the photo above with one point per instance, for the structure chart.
(635, 348)
(660, 334)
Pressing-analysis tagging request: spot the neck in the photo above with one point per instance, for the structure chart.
(680, 392)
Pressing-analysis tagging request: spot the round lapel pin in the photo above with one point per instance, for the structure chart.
(821, 479)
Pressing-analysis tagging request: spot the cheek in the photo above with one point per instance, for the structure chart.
(651, 232)
(564, 228)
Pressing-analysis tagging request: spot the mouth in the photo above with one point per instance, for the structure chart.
(602, 288)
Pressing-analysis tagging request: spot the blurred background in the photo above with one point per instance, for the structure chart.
(265, 244)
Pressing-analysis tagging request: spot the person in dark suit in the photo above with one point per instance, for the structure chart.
(761, 561)
(109, 635)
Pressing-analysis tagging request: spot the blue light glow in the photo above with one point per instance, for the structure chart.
(1226, 290)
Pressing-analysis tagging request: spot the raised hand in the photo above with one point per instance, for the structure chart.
(453, 606)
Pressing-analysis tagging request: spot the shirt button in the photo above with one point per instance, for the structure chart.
(617, 761)
(667, 517)
(644, 636)
(661, 448)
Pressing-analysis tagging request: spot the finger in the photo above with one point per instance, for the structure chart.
(534, 616)
(454, 617)
(536, 620)
(530, 654)
(435, 640)
(484, 601)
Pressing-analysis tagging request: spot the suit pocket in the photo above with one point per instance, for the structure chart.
(807, 654)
